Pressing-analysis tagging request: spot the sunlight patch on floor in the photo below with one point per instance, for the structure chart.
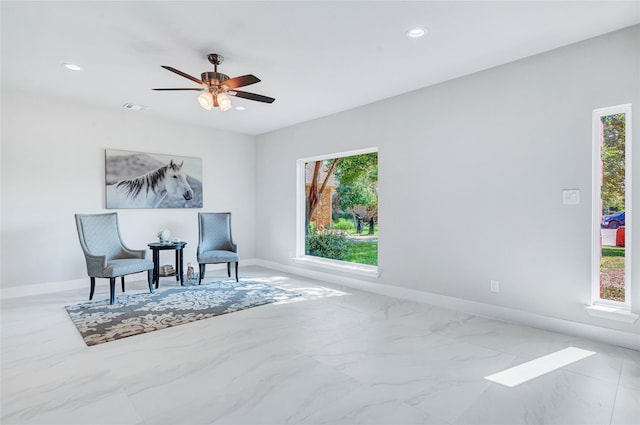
(526, 371)
(308, 292)
(270, 279)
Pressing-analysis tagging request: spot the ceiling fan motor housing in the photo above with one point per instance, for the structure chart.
(213, 78)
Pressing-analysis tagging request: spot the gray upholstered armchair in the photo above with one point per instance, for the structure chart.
(106, 255)
(215, 244)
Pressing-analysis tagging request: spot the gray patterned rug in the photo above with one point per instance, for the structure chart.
(99, 322)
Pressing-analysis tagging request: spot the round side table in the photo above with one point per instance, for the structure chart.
(156, 247)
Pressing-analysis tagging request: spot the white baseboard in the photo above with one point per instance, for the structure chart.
(43, 288)
(582, 330)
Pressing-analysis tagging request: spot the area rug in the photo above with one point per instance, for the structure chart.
(99, 322)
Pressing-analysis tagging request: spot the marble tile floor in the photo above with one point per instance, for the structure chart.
(333, 356)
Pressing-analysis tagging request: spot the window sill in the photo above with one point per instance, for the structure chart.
(611, 313)
(340, 266)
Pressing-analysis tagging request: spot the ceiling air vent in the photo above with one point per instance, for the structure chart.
(135, 107)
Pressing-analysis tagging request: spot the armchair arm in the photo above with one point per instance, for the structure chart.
(202, 247)
(134, 253)
(95, 264)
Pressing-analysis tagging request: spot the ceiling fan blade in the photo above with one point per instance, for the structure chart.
(179, 89)
(241, 81)
(252, 96)
(182, 74)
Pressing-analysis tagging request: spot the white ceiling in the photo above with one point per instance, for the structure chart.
(315, 57)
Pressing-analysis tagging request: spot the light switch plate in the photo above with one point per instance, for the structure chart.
(570, 196)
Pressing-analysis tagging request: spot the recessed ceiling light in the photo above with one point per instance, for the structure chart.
(72, 67)
(240, 108)
(416, 32)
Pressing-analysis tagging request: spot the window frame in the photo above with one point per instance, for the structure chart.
(596, 248)
(300, 255)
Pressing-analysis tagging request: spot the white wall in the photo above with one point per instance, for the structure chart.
(53, 167)
(471, 174)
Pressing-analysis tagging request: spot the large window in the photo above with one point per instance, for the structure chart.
(611, 276)
(338, 208)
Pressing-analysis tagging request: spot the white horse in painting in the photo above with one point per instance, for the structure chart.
(148, 190)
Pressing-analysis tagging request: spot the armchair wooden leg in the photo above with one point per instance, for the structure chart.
(112, 289)
(237, 271)
(122, 279)
(228, 269)
(201, 274)
(150, 279)
(93, 287)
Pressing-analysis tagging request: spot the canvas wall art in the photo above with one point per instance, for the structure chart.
(149, 180)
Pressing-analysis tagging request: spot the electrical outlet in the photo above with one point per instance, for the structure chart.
(495, 286)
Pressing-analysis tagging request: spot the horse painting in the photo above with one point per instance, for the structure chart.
(148, 190)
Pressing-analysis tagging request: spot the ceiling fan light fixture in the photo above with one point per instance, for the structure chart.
(206, 100)
(224, 101)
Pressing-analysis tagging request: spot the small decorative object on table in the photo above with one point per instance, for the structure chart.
(164, 235)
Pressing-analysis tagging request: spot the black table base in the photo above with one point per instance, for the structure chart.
(156, 247)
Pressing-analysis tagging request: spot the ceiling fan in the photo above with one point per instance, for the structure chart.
(216, 86)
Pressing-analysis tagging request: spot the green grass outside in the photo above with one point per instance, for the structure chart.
(362, 252)
(612, 269)
(612, 251)
(359, 252)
